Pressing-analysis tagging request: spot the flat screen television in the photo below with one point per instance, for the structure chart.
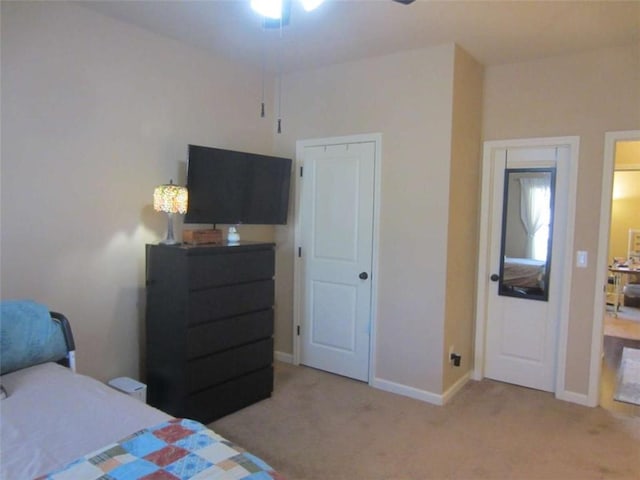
(230, 187)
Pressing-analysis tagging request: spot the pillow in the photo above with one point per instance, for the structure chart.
(28, 336)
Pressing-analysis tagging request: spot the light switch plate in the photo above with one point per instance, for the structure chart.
(581, 259)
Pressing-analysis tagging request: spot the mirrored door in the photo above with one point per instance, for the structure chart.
(528, 217)
(527, 233)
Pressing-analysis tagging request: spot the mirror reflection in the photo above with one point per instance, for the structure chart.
(527, 224)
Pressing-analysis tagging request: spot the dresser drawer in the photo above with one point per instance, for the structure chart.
(238, 267)
(228, 333)
(216, 402)
(210, 322)
(214, 369)
(221, 302)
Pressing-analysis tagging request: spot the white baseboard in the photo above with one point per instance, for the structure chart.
(422, 395)
(283, 357)
(407, 391)
(455, 388)
(573, 397)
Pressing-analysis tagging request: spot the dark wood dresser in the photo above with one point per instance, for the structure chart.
(209, 328)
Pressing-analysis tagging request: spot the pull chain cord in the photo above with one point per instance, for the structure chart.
(279, 129)
(280, 102)
(262, 102)
(264, 69)
(264, 66)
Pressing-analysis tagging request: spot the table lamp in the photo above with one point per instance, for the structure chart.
(171, 199)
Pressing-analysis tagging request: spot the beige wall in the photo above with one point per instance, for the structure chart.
(584, 94)
(628, 154)
(625, 208)
(102, 110)
(95, 113)
(464, 210)
(625, 211)
(407, 98)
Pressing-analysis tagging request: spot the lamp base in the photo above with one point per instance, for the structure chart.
(170, 240)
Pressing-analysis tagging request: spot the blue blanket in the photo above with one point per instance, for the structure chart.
(28, 336)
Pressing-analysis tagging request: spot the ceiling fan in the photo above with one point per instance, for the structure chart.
(276, 13)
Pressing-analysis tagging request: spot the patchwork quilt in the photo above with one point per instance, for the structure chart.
(176, 449)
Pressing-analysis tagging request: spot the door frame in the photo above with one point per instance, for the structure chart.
(573, 143)
(599, 307)
(298, 270)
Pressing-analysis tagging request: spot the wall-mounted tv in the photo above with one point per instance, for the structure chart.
(230, 187)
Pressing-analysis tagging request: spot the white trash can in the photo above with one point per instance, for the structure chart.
(130, 387)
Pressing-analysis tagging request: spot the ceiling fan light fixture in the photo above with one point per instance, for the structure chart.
(268, 8)
(310, 5)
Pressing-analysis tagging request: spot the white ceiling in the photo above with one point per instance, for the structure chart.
(494, 32)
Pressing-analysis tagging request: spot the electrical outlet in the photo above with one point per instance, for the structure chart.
(456, 359)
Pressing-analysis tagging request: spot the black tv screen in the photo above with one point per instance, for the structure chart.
(230, 187)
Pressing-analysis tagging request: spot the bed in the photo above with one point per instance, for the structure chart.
(525, 273)
(57, 424)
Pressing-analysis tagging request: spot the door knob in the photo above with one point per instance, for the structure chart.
(495, 277)
(363, 276)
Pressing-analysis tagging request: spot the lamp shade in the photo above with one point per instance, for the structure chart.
(170, 198)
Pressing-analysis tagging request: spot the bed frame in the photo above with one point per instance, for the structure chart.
(69, 360)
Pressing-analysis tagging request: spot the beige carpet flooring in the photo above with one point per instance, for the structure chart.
(322, 426)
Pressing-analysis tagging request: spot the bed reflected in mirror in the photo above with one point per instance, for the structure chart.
(527, 231)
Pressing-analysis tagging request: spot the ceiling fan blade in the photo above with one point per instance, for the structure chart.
(405, 2)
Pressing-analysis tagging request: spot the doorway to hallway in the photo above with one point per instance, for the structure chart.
(621, 319)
